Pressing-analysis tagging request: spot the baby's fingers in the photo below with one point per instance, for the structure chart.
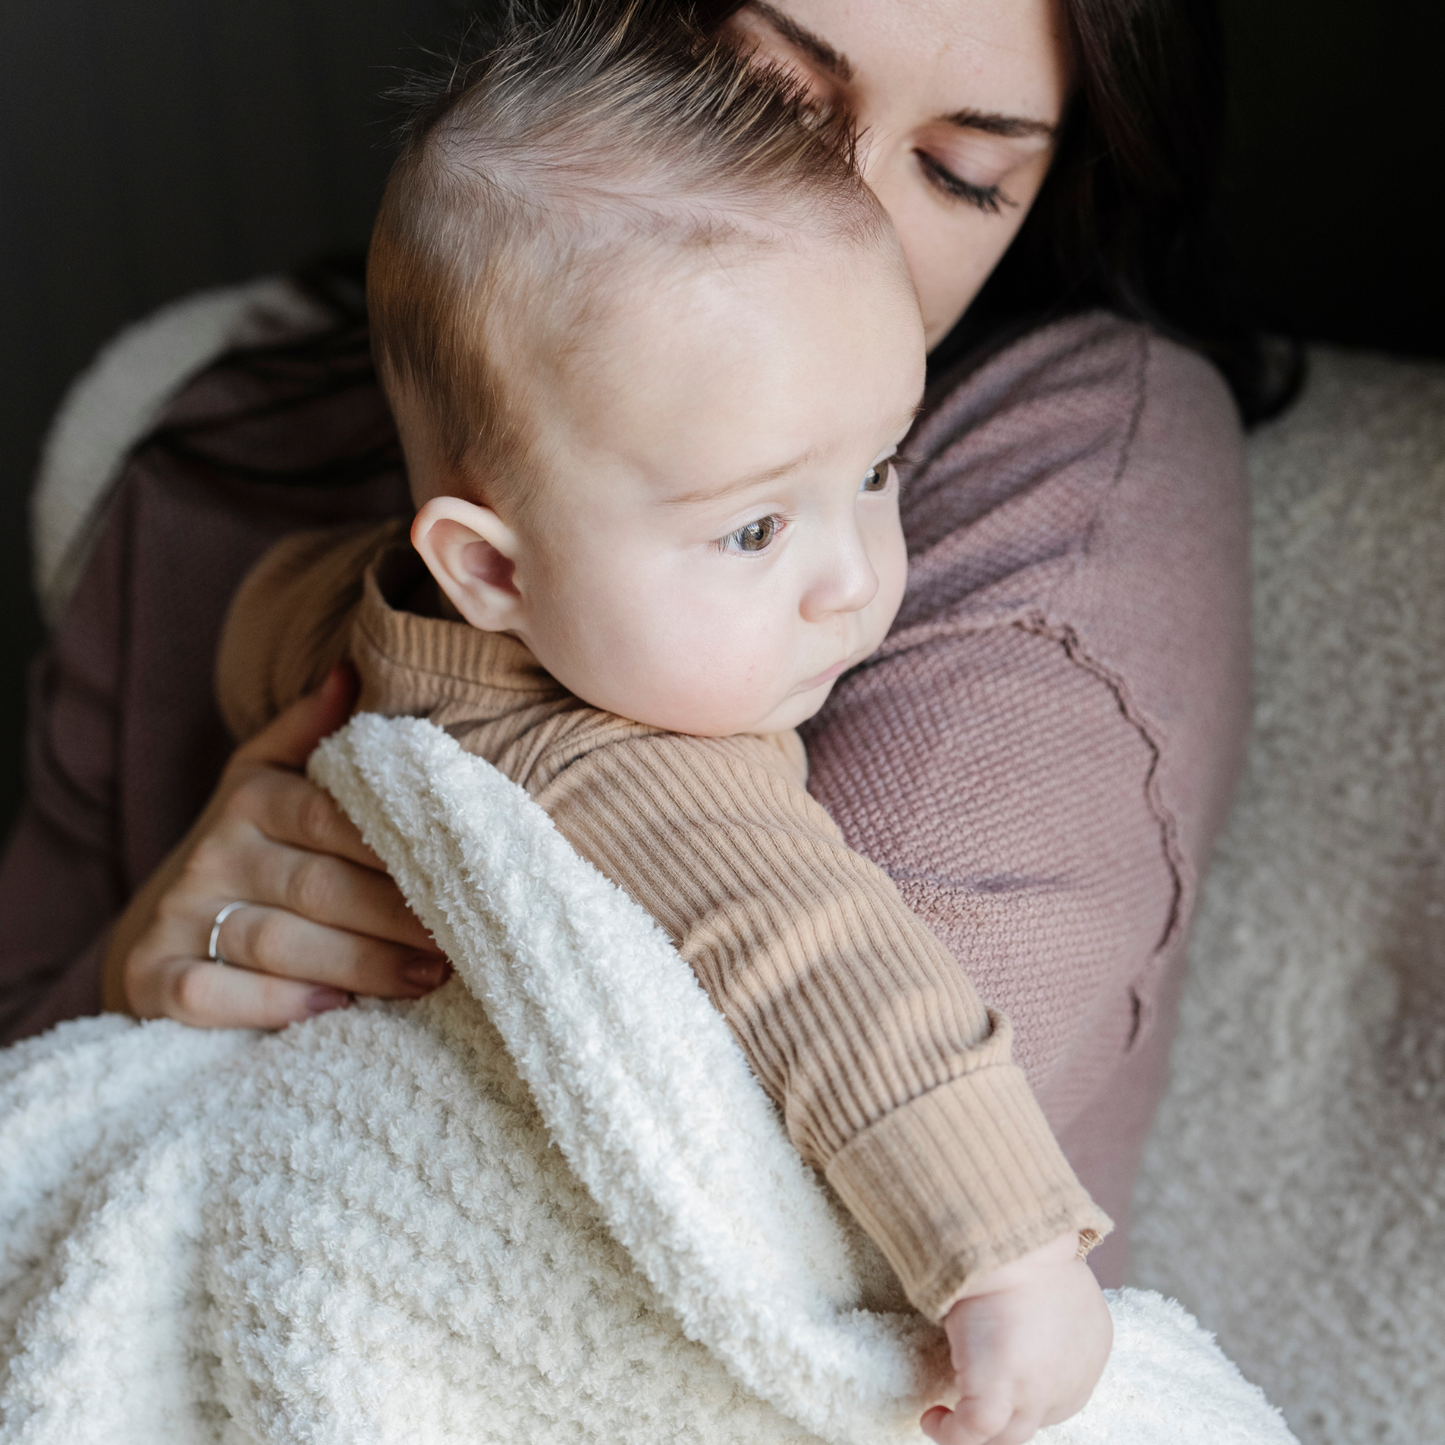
(989, 1420)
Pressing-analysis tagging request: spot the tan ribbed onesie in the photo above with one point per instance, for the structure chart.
(892, 1077)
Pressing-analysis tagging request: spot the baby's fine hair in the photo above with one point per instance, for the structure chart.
(583, 142)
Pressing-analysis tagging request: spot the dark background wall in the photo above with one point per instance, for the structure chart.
(151, 147)
(1336, 179)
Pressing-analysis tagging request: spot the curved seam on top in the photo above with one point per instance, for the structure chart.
(1035, 622)
(1174, 857)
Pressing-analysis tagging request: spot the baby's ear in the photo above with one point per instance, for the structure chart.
(472, 554)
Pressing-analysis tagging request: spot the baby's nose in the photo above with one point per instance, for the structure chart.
(849, 584)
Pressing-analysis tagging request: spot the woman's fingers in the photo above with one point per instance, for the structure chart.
(288, 808)
(211, 995)
(264, 784)
(276, 942)
(278, 967)
(310, 918)
(292, 735)
(240, 863)
(324, 922)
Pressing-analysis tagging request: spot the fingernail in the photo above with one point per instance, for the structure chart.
(338, 681)
(323, 1000)
(424, 974)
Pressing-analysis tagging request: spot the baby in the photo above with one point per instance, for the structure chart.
(651, 344)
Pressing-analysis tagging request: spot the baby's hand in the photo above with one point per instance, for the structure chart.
(1029, 1341)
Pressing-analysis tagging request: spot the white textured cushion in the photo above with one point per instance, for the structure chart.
(1293, 1193)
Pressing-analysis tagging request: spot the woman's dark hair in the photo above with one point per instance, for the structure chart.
(1126, 221)
(1128, 216)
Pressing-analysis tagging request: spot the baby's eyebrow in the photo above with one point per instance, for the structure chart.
(767, 474)
(739, 484)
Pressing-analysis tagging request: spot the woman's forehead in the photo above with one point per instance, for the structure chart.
(998, 66)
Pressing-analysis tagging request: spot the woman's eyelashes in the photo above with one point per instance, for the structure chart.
(988, 199)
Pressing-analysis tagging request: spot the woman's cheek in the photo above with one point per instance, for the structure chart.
(949, 254)
(952, 248)
(955, 269)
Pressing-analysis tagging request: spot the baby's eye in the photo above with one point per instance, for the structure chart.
(755, 537)
(875, 479)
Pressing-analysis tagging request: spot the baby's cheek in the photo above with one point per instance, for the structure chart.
(683, 687)
(892, 580)
(706, 660)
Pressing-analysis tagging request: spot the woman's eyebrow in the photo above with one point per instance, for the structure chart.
(813, 46)
(836, 64)
(1010, 127)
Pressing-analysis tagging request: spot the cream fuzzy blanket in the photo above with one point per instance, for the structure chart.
(548, 1203)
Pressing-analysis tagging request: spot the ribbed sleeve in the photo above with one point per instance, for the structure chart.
(962, 1179)
(892, 1077)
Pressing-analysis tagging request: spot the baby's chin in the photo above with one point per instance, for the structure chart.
(790, 712)
(798, 709)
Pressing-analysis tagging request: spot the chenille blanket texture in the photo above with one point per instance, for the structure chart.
(550, 1202)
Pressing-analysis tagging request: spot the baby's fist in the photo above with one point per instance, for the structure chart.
(1029, 1341)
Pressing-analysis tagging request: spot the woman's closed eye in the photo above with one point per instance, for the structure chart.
(756, 536)
(988, 199)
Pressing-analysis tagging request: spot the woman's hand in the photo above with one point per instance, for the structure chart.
(322, 920)
(1028, 1342)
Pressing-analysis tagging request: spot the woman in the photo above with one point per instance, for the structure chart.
(1047, 744)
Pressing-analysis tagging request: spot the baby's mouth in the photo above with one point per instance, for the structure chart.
(836, 671)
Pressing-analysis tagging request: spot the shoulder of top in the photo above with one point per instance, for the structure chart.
(1092, 368)
(319, 563)
(289, 609)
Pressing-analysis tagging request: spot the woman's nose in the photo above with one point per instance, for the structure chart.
(883, 161)
(845, 583)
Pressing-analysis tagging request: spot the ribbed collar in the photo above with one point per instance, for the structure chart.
(453, 650)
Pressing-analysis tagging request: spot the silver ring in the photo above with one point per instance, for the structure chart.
(213, 949)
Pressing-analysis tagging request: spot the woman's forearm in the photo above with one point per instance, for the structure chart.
(56, 897)
(62, 879)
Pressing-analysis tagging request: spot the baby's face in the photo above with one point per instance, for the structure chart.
(719, 538)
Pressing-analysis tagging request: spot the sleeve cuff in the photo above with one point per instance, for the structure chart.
(961, 1180)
